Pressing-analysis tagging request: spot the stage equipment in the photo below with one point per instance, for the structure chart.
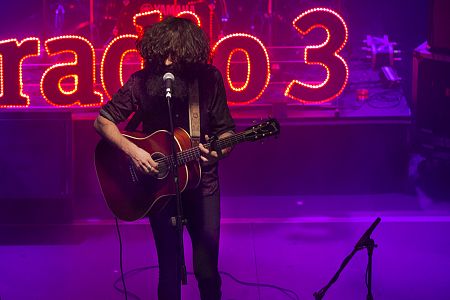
(365, 242)
(390, 76)
(36, 167)
(212, 16)
(362, 95)
(380, 51)
(431, 98)
(178, 221)
(439, 25)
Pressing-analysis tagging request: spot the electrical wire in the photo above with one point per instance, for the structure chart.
(289, 293)
(121, 259)
(385, 99)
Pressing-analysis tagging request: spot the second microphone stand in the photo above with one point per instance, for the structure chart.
(365, 242)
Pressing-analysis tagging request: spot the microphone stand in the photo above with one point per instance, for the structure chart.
(365, 242)
(178, 220)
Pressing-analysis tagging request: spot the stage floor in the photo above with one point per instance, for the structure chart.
(298, 249)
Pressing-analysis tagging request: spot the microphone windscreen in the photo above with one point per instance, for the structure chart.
(168, 75)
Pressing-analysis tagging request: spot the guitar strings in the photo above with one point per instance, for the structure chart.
(193, 153)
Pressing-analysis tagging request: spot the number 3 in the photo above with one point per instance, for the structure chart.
(325, 54)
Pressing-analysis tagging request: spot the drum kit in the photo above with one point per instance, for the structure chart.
(268, 20)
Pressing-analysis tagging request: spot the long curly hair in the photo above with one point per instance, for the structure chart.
(179, 39)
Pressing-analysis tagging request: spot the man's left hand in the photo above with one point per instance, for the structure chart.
(211, 157)
(208, 157)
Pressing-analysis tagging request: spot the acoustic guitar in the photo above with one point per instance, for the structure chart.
(131, 194)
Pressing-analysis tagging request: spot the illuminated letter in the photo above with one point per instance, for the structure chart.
(145, 19)
(12, 55)
(325, 54)
(190, 16)
(257, 71)
(79, 73)
(111, 69)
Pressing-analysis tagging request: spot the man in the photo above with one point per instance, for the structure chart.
(178, 46)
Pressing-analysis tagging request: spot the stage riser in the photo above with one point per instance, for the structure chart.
(314, 158)
(36, 167)
(318, 157)
(321, 158)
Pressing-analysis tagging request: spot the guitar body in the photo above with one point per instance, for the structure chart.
(132, 195)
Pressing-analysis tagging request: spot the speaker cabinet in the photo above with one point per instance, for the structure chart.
(439, 25)
(431, 101)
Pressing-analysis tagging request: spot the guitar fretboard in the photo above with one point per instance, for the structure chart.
(194, 153)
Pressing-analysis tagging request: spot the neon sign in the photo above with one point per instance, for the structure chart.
(257, 60)
(111, 67)
(325, 54)
(12, 55)
(81, 68)
(72, 81)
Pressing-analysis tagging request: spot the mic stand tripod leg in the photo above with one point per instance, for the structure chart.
(370, 245)
(321, 293)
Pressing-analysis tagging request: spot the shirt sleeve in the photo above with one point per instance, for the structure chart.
(122, 104)
(220, 119)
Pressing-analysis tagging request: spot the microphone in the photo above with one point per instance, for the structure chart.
(168, 80)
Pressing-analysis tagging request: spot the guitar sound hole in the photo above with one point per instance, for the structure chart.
(163, 167)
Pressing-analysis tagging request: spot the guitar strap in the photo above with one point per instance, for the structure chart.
(194, 112)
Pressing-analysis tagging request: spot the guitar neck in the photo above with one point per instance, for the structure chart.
(186, 156)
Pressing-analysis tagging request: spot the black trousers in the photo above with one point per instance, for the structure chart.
(203, 224)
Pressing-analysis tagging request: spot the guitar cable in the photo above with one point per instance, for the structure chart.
(289, 293)
(121, 259)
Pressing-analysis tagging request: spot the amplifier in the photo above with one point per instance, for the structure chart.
(431, 91)
(439, 25)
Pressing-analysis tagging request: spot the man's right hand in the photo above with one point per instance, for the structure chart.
(143, 161)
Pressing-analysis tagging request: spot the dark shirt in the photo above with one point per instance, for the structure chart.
(145, 91)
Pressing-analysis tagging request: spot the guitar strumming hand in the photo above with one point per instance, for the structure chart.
(143, 161)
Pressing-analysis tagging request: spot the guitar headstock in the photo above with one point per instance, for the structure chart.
(264, 129)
